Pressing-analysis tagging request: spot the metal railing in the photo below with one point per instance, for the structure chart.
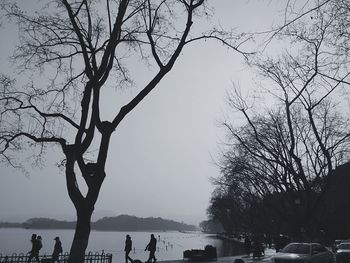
(91, 257)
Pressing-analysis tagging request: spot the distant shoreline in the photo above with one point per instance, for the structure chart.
(117, 223)
(136, 231)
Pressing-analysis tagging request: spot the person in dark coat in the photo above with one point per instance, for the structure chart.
(151, 247)
(36, 246)
(247, 245)
(57, 250)
(127, 249)
(31, 254)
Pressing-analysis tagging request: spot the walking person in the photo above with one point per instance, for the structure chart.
(36, 246)
(247, 245)
(151, 247)
(57, 250)
(128, 248)
(31, 254)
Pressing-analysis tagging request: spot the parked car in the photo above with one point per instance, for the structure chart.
(343, 253)
(336, 244)
(304, 253)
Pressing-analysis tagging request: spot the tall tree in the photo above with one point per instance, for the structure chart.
(74, 50)
(261, 162)
(293, 148)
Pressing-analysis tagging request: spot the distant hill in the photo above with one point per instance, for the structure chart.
(117, 223)
(133, 223)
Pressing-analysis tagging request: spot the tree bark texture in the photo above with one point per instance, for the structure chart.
(81, 236)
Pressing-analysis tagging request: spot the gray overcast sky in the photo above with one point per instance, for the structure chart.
(159, 162)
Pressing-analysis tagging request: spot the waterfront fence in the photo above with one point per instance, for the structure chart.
(91, 257)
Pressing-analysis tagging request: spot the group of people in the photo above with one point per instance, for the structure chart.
(259, 242)
(151, 247)
(256, 246)
(37, 245)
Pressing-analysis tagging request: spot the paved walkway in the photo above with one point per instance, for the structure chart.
(266, 258)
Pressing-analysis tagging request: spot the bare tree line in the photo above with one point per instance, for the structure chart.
(285, 154)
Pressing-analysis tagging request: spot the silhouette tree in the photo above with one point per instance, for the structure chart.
(319, 31)
(290, 152)
(74, 51)
(336, 212)
(291, 149)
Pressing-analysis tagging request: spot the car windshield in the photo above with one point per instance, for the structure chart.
(297, 249)
(344, 246)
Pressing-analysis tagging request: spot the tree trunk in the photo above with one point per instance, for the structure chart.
(81, 236)
(84, 205)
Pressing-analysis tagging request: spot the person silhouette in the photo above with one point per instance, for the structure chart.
(32, 240)
(247, 245)
(36, 246)
(127, 249)
(57, 250)
(151, 247)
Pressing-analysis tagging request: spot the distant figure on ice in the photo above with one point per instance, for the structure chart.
(151, 247)
(57, 250)
(36, 246)
(127, 249)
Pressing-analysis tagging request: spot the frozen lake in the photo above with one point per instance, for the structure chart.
(170, 245)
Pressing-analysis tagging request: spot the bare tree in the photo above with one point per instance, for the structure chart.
(318, 32)
(277, 155)
(294, 148)
(73, 50)
(289, 152)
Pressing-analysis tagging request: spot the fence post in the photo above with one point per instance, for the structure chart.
(89, 258)
(21, 258)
